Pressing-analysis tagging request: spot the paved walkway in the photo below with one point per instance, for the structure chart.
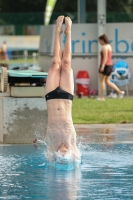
(114, 126)
(105, 133)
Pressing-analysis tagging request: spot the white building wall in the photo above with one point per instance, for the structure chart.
(84, 47)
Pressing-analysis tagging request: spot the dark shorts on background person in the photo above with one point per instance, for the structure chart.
(108, 69)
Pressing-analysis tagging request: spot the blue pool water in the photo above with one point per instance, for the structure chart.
(106, 172)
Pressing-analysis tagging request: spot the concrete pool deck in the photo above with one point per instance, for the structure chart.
(105, 133)
(22, 120)
(127, 126)
(100, 133)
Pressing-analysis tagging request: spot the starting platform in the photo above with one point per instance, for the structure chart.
(22, 83)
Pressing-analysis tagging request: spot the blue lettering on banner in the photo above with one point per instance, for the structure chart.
(132, 46)
(90, 42)
(73, 45)
(86, 46)
(120, 41)
(64, 39)
(83, 44)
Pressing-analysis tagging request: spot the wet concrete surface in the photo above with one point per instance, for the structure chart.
(105, 133)
(22, 119)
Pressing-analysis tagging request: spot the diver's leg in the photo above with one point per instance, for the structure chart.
(102, 85)
(53, 78)
(67, 82)
(112, 85)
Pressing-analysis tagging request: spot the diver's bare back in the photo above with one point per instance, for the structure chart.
(60, 127)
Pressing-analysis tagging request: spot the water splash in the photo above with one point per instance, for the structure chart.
(58, 161)
(55, 159)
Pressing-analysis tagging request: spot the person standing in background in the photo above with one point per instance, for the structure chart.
(106, 68)
(4, 55)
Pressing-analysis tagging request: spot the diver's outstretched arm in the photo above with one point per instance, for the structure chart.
(67, 82)
(57, 51)
(66, 60)
(53, 79)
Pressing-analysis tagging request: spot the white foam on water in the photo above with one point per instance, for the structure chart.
(63, 161)
(67, 161)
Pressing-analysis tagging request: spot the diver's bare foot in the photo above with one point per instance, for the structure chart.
(68, 23)
(59, 22)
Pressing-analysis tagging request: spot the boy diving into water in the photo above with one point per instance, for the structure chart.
(61, 135)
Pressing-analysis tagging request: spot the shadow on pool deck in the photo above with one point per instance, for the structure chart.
(102, 133)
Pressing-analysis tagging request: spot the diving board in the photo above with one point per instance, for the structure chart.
(23, 83)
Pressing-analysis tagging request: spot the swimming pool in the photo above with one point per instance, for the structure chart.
(106, 171)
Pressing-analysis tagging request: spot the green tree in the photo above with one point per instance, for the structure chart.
(22, 6)
(118, 11)
(65, 7)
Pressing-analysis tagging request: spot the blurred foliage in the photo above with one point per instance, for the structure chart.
(23, 12)
(22, 18)
(120, 6)
(63, 6)
(22, 6)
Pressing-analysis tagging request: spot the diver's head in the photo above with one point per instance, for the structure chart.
(64, 155)
(63, 149)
